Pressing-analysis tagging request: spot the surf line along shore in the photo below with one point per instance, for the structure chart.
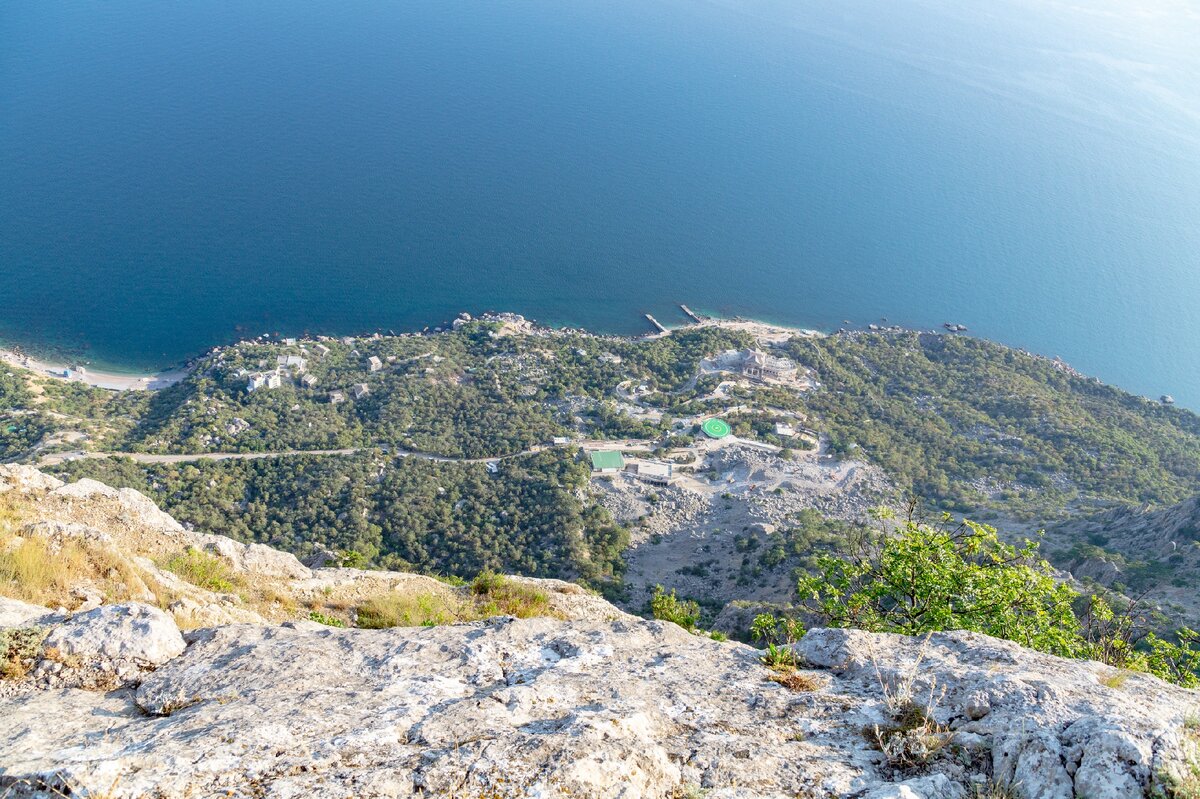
(116, 381)
(111, 380)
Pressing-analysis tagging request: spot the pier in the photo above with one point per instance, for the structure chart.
(695, 317)
(657, 325)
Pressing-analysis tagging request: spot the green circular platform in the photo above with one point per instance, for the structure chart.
(716, 428)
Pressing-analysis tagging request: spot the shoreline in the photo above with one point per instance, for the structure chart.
(113, 381)
(143, 381)
(765, 332)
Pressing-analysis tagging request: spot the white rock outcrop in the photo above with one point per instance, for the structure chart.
(140, 634)
(254, 558)
(15, 613)
(626, 708)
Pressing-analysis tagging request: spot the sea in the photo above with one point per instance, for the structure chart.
(179, 175)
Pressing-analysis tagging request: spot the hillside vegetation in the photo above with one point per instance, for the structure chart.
(966, 425)
(966, 422)
(392, 512)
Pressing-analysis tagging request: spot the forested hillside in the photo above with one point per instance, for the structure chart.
(965, 422)
(396, 513)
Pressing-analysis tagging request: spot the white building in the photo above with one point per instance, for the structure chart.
(784, 430)
(321, 349)
(309, 381)
(375, 363)
(655, 472)
(335, 397)
(274, 380)
(256, 382)
(761, 366)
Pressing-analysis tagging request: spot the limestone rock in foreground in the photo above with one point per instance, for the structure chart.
(625, 708)
(15, 613)
(132, 632)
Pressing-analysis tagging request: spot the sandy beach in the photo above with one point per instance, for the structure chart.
(99, 379)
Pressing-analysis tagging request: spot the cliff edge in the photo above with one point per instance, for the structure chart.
(107, 696)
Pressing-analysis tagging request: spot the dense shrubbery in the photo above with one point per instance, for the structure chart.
(396, 512)
(668, 607)
(941, 412)
(21, 427)
(460, 394)
(923, 578)
(961, 421)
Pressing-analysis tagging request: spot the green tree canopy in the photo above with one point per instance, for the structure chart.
(927, 577)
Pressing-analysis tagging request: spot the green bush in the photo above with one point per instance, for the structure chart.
(922, 578)
(19, 647)
(202, 569)
(668, 607)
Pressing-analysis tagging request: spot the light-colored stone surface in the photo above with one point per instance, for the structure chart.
(138, 633)
(15, 613)
(138, 506)
(627, 708)
(15, 477)
(254, 558)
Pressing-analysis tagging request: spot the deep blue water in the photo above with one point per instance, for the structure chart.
(175, 175)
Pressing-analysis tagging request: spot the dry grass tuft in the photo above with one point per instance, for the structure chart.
(408, 610)
(800, 681)
(45, 571)
(489, 595)
(1115, 680)
(912, 740)
(497, 595)
(998, 790)
(202, 570)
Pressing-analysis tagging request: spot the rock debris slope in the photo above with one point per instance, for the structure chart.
(118, 703)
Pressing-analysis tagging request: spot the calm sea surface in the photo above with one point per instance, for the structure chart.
(176, 175)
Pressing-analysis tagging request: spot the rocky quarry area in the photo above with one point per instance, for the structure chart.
(738, 490)
(134, 692)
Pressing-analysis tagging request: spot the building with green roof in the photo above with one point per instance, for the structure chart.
(607, 461)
